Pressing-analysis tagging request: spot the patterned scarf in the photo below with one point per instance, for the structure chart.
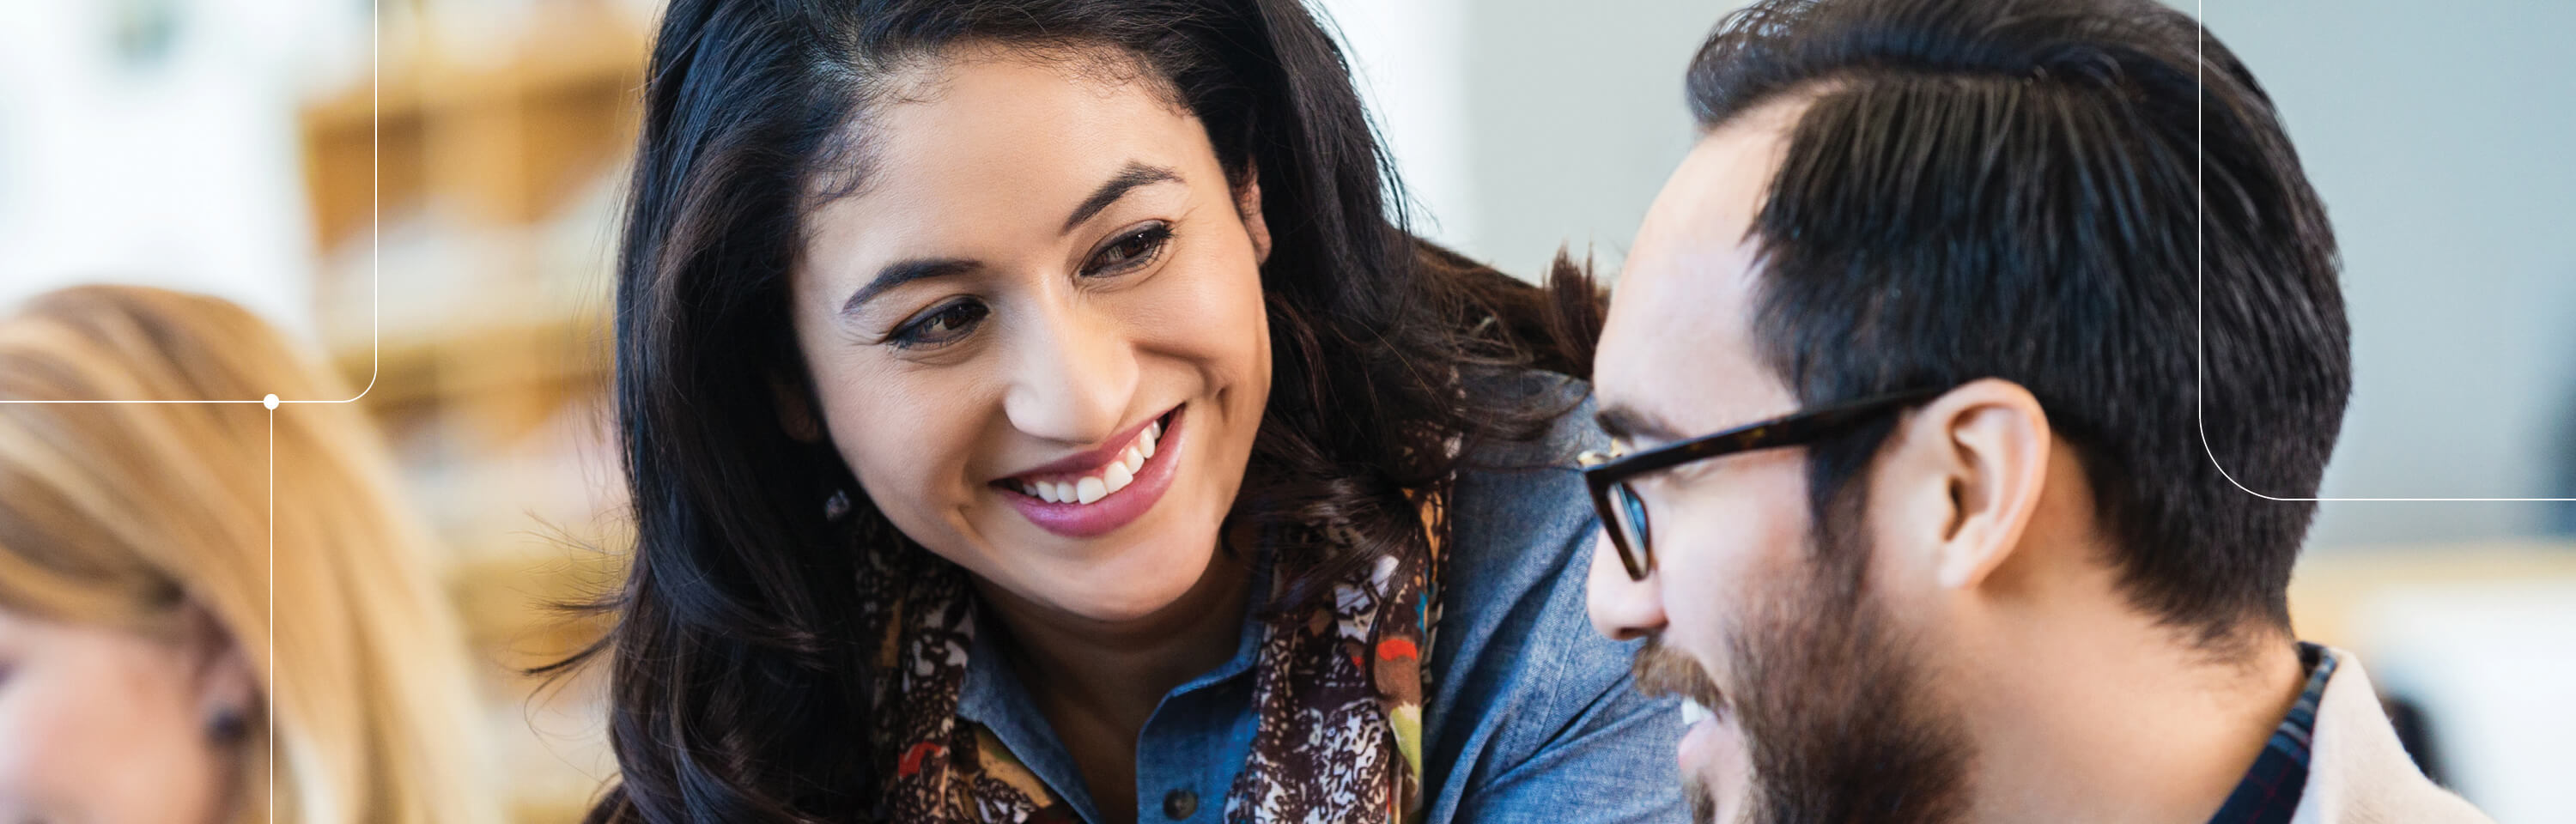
(1338, 688)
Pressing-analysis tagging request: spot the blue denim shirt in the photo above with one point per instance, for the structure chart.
(1530, 718)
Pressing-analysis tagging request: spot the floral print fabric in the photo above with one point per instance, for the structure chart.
(1337, 691)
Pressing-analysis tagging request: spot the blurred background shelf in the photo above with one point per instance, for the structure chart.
(462, 212)
(2474, 644)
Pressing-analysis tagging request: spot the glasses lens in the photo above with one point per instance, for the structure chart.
(1631, 524)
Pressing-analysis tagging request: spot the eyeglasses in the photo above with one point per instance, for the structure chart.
(1624, 514)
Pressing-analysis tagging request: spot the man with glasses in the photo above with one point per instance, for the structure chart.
(2001, 312)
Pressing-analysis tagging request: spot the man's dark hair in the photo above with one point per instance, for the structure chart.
(2015, 189)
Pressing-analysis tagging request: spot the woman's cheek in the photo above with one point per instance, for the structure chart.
(1217, 316)
(106, 727)
(906, 440)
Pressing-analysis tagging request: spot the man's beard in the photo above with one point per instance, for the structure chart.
(1832, 703)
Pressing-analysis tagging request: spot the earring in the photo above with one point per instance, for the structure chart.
(227, 725)
(837, 506)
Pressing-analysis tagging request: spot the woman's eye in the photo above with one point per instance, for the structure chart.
(1129, 250)
(941, 325)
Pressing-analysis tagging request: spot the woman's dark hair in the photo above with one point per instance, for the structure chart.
(738, 685)
(2091, 198)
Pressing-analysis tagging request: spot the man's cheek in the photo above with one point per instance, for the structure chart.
(1698, 600)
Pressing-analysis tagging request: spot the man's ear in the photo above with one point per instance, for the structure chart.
(1977, 460)
(795, 409)
(1247, 202)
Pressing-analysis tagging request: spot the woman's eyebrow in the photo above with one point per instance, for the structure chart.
(1133, 175)
(901, 272)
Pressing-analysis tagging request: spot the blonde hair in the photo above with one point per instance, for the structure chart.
(127, 514)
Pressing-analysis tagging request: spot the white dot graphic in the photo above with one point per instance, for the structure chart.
(270, 401)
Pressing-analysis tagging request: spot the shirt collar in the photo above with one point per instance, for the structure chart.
(2269, 792)
(993, 696)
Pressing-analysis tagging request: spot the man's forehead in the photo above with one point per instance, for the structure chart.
(1678, 346)
(1708, 206)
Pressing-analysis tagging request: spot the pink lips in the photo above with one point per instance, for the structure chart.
(1694, 750)
(1101, 517)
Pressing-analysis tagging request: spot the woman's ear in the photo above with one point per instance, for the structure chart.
(1247, 202)
(225, 685)
(795, 410)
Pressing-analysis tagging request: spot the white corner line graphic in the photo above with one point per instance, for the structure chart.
(376, 274)
(375, 237)
(2200, 350)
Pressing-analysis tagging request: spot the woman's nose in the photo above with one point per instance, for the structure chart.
(1622, 608)
(1075, 377)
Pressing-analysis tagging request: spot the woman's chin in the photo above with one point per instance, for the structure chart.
(1120, 608)
(1113, 579)
(1129, 585)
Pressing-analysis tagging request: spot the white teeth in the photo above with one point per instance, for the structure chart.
(1118, 474)
(1693, 713)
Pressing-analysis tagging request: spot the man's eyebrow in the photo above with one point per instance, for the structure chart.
(901, 272)
(1133, 175)
(1628, 424)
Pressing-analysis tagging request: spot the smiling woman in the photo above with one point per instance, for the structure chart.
(1037, 411)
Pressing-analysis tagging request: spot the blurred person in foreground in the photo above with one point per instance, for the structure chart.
(140, 652)
(1977, 535)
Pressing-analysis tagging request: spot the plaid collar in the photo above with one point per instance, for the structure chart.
(2270, 790)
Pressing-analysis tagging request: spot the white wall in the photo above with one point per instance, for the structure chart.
(178, 171)
(1409, 59)
(1521, 125)
(2440, 139)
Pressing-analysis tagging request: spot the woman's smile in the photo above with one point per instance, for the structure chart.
(1095, 492)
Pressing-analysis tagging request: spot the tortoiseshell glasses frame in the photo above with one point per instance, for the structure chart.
(1623, 513)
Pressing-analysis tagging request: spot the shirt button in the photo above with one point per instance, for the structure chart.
(1179, 804)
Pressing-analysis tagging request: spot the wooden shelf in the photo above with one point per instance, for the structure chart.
(491, 369)
(531, 365)
(2329, 591)
(504, 141)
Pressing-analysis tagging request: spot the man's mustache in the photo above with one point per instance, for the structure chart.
(1661, 671)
